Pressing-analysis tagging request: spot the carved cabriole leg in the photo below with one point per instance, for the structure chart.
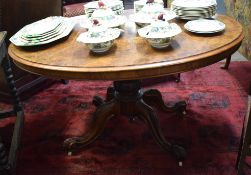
(103, 113)
(154, 97)
(226, 65)
(146, 113)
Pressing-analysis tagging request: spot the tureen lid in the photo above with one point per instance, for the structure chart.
(107, 3)
(160, 24)
(95, 29)
(149, 18)
(159, 29)
(101, 12)
(152, 8)
(106, 17)
(99, 34)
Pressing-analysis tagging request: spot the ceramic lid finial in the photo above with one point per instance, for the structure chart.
(101, 4)
(149, 1)
(161, 17)
(95, 22)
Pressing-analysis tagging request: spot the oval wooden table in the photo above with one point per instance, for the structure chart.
(129, 61)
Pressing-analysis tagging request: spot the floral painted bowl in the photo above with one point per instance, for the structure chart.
(99, 38)
(149, 14)
(159, 33)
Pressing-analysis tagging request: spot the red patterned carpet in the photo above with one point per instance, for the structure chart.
(210, 131)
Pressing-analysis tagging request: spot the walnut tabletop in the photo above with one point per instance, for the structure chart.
(131, 57)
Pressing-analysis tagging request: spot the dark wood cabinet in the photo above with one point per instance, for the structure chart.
(14, 14)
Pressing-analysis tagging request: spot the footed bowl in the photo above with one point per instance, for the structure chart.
(159, 43)
(100, 47)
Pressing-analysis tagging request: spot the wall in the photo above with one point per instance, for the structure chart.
(241, 11)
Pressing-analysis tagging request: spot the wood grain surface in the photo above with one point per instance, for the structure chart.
(131, 57)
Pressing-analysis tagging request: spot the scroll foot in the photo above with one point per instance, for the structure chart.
(179, 153)
(103, 113)
(147, 114)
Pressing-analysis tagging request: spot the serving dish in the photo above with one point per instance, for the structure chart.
(99, 38)
(106, 17)
(149, 13)
(116, 6)
(160, 33)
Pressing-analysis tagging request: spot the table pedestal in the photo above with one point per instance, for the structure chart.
(127, 97)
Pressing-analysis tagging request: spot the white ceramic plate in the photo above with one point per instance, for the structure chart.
(204, 26)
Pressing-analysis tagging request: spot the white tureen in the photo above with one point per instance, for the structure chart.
(116, 5)
(106, 17)
(159, 33)
(150, 12)
(99, 38)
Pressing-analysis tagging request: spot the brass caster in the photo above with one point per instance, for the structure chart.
(133, 118)
(180, 164)
(179, 152)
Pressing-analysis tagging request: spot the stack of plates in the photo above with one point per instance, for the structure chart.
(116, 5)
(194, 9)
(42, 32)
